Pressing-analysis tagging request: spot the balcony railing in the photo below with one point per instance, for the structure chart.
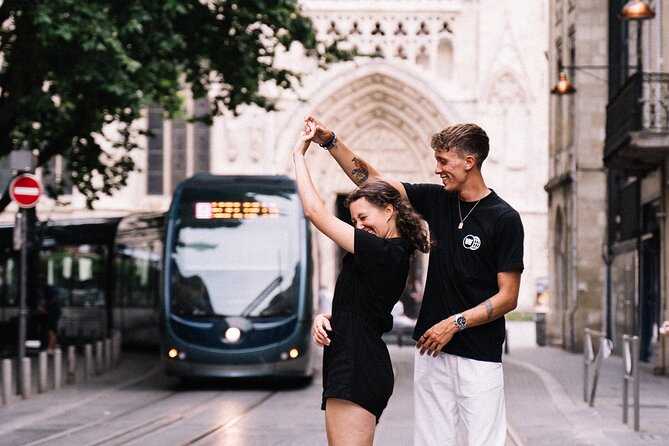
(641, 105)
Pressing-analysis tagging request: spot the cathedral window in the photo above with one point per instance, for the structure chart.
(377, 30)
(445, 27)
(423, 59)
(423, 29)
(154, 165)
(400, 52)
(400, 30)
(333, 29)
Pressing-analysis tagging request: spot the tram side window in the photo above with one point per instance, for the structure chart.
(9, 289)
(140, 279)
(137, 277)
(77, 273)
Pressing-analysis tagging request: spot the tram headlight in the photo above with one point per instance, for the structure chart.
(174, 353)
(293, 353)
(233, 334)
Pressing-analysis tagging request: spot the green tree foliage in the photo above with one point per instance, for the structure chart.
(71, 68)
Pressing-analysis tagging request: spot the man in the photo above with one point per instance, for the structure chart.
(472, 282)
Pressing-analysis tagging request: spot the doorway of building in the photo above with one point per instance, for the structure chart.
(649, 286)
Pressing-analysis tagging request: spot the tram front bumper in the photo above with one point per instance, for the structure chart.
(298, 367)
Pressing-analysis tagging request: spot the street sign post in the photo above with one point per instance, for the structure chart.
(25, 190)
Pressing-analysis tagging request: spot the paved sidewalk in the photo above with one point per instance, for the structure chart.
(544, 395)
(21, 420)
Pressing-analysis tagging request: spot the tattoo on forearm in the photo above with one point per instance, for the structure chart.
(360, 173)
(488, 308)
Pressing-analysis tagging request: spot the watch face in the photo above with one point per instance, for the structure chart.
(461, 321)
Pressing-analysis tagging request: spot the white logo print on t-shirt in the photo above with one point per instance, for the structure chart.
(471, 242)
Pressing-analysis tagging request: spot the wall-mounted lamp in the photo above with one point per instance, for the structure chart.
(637, 10)
(563, 85)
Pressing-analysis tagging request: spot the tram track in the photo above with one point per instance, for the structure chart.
(135, 382)
(230, 423)
(122, 427)
(151, 429)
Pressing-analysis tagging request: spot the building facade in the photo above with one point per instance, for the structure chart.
(608, 250)
(577, 180)
(442, 62)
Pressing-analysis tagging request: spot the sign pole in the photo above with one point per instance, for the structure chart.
(25, 190)
(23, 298)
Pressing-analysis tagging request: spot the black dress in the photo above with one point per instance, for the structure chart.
(356, 364)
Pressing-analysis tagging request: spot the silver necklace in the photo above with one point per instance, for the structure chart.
(462, 220)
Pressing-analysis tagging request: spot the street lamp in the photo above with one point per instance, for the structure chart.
(563, 85)
(635, 10)
(638, 11)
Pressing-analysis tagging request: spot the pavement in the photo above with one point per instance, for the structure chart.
(544, 397)
(545, 400)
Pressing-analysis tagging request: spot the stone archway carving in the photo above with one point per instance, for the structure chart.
(384, 112)
(371, 105)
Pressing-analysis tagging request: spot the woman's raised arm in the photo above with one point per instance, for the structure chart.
(339, 232)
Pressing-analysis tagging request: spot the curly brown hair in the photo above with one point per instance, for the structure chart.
(381, 194)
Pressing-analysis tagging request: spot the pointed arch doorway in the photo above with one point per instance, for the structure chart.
(381, 115)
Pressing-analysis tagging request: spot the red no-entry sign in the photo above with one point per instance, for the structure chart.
(25, 190)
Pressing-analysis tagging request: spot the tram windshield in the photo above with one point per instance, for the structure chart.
(235, 253)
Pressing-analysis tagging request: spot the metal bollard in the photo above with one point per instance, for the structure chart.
(631, 373)
(26, 381)
(80, 338)
(71, 364)
(57, 368)
(116, 347)
(88, 362)
(42, 367)
(6, 382)
(99, 361)
(108, 354)
(590, 358)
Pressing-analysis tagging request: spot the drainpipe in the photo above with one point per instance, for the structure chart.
(662, 217)
(607, 326)
(573, 292)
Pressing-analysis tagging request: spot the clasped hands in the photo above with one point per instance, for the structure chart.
(313, 131)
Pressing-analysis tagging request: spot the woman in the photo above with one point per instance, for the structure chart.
(357, 372)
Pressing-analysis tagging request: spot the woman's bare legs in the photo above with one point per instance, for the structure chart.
(348, 424)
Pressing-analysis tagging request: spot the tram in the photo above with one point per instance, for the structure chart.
(73, 259)
(236, 285)
(136, 268)
(221, 283)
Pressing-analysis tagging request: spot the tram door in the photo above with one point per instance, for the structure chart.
(77, 273)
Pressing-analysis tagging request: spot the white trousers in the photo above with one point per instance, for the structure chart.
(458, 401)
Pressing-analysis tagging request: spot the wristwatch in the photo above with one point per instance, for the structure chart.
(460, 321)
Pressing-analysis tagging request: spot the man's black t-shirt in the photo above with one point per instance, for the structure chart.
(463, 266)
